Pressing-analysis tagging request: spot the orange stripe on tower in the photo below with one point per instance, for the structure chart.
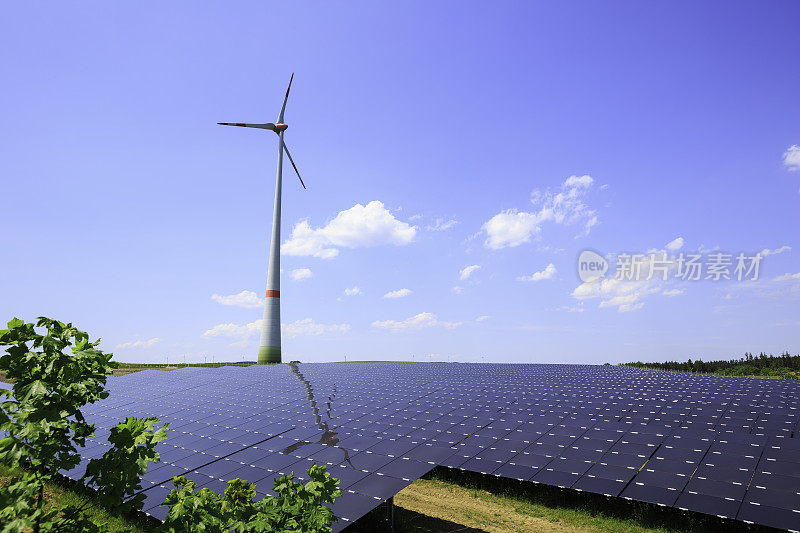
(273, 294)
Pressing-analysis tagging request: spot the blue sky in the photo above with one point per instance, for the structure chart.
(433, 137)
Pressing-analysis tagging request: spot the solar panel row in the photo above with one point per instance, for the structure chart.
(721, 446)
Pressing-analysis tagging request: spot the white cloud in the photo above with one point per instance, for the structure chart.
(704, 250)
(359, 226)
(675, 245)
(673, 292)
(482, 318)
(787, 277)
(791, 158)
(571, 309)
(420, 321)
(399, 293)
(307, 326)
(512, 227)
(235, 331)
(243, 332)
(246, 299)
(784, 286)
(627, 295)
(466, 272)
(354, 291)
(301, 274)
(627, 307)
(441, 224)
(137, 344)
(458, 289)
(624, 295)
(549, 272)
(579, 181)
(766, 251)
(592, 222)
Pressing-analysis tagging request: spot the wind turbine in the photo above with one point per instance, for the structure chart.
(269, 349)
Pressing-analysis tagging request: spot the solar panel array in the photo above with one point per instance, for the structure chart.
(723, 446)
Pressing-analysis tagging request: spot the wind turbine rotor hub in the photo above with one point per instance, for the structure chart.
(279, 127)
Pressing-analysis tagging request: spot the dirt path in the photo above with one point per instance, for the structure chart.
(470, 510)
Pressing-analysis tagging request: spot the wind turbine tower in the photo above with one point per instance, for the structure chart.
(269, 349)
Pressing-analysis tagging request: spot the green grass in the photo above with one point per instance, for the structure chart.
(585, 518)
(436, 505)
(583, 509)
(550, 506)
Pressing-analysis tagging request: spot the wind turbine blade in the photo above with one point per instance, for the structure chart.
(267, 126)
(285, 99)
(295, 166)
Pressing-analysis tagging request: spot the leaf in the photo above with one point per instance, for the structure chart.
(42, 421)
(15, 323)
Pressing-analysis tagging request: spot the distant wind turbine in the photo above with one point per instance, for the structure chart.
(269, 349)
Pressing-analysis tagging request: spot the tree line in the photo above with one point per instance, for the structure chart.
(784, 365)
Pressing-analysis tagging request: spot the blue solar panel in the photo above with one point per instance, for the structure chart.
(513, 471)
(555, 477)
(623, 459)
(704, 503)
(716, 445)
(683, 468)
(651, 493)
(193, 461)
(429, 453)
(763, 480)
(219, 469)
(598, 485)
(573, 466)
(351, 505)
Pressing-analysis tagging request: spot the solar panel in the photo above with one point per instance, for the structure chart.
(350, 507)
(616, 473)
(707, 504)
(501, 454)
(725, 446)
(557, 478)
(454, 461)
(601, 485)
(658, 478)
(219, 469)
(768, 516)
(651, 493)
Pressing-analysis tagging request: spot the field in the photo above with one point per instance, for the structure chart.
(449, 499)
(431, 504)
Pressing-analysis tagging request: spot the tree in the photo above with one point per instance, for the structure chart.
(43, 424)
(295, 507)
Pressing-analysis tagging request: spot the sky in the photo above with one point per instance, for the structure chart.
(459, 158)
